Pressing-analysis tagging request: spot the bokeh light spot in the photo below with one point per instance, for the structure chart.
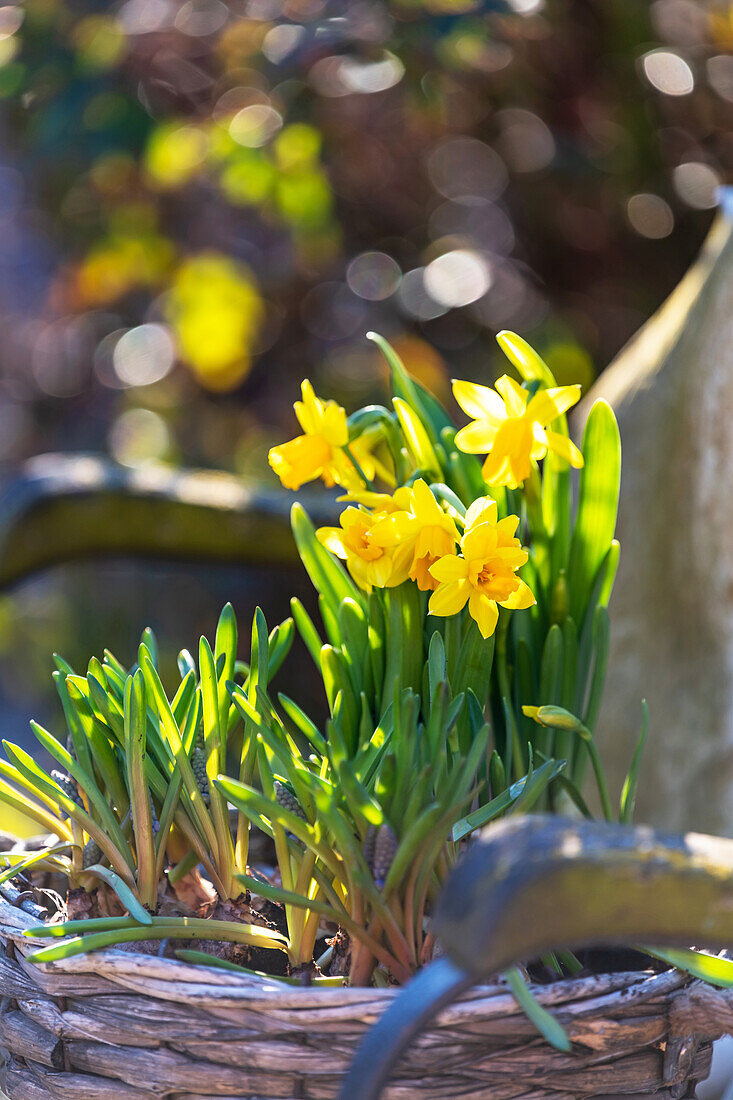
(139, 437)
(465, 168)
(201, 17)
(144, 355)
(338, 76)
(526, 142)
(414, 298)
(331, 311)
(146, 16)
(457, 278)
(373, 275)
(696, 184)
(650, 215)
(281, 40)
(11, 20)
(255, 125)
(668, 72)
(720, 75)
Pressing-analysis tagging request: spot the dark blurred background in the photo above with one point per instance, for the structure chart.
(203, 202)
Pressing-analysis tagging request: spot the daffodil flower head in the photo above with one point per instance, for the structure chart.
(511, 428)
(420, 524)
(372, 559)
(318, 452)
(484, 576)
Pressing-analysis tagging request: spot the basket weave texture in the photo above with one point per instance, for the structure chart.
(115, 1025)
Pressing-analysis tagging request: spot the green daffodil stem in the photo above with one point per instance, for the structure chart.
(350, 455)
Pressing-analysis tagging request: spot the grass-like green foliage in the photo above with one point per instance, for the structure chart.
(432, 730)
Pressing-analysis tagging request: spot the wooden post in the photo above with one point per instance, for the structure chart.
(672, 610)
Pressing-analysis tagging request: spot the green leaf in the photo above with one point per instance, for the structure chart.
(628, 792)
(136, 720)
(149, 640)
(409, 390)
(437, 664)
(25, 860)
(162, 928)
(225, 650)
(327, 574)
(170, 729)
(202, 958)
(597, 506)
(215, 749)
(710, 968)
(280, 642)
(124, 893)
(539, 780)
(97, 803)
(337, 682)
(306, 629)
(545, 1023)
(600, 644)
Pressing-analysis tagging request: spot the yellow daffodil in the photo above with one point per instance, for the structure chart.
(512, 429)
(319, 451)
(373, 561)
(485, 575)
(316, 453)
(419, 523)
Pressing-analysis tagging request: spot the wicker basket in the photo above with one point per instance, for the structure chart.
(122, 1026)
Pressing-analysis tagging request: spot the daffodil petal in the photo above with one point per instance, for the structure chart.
(448, 599)
(506, 528)
(449, 568)
(515, 398)
(479, 402)
(565, 447)
(299, 460)
(547, 405)
(479, 541)
(476, 438)
(520, 598)
(332, 539)
(482, 510)
(496, 471)
(485, 612)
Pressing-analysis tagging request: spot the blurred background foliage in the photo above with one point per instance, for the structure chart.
(203, 202)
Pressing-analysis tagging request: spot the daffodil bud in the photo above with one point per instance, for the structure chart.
(560, 602)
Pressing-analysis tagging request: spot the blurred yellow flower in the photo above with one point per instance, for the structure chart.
(215, 310)
(512, 428)
(175, 153)
(419, 523)
(357, 541)
(486, 573)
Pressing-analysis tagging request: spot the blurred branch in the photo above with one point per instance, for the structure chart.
(69, 507)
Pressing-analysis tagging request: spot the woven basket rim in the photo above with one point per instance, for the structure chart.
(174, 979)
